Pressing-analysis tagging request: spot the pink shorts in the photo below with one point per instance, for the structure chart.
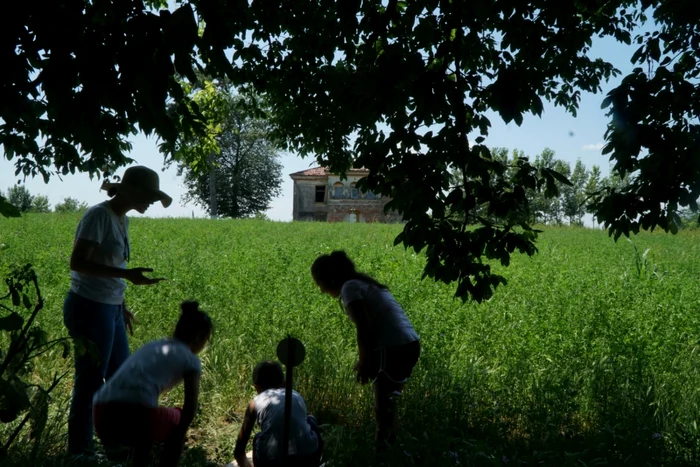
(129, 424)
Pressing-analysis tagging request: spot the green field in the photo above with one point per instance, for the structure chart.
(589, 356)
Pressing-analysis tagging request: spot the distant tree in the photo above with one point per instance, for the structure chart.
(593, 186)
(594, 182)
(40, 203)
(244, 173)
(574, 196)
(544, 208)
(504, 170)
(70, 205)
(19, 196)
(616, 182)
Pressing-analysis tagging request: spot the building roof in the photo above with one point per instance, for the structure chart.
(321, 172)
(312, 172)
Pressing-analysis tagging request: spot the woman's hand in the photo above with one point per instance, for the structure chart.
(129, 319)
(136, 277)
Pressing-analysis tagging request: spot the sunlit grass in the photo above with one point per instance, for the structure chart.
(589, 354)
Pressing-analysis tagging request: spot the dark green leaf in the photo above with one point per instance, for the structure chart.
(15, 297)
(11, 322)
(559, 177)
(7, 209)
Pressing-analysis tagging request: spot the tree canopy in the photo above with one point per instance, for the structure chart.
(401, 88)
(244, 173)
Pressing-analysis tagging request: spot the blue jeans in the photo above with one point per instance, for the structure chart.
(103, 325)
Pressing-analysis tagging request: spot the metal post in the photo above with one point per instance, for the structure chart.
(288, 398)
(291, 352)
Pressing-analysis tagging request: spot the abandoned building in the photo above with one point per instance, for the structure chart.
(322, 196)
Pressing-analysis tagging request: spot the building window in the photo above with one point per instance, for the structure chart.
(338, 190)
(320, 193)
(354, 193)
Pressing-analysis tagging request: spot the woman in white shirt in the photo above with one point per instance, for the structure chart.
(126, 409)
(94, 308)
(388, 346)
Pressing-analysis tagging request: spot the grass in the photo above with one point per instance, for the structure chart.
(589, 356)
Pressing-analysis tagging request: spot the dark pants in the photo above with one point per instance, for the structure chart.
(394, 366)
(135, 426)
(297, 460)
(103, 325)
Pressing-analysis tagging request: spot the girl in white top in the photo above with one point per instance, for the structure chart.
(126, 410)
(388, 346)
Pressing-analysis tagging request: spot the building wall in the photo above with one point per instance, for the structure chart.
(350, 210)
(363, 208)
(305, 206)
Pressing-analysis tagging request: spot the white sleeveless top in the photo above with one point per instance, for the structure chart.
(269, 408)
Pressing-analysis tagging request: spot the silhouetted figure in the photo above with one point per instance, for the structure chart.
(126, 408)
(388, 345)
(94, 308)
(267, 408)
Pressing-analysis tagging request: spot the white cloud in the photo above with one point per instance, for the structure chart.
(593, 147)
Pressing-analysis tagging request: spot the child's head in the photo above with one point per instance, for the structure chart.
(268, 375)
(330, 272)
(194, 327)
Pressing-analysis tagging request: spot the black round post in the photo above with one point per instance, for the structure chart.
(288, 398)
(291, 353)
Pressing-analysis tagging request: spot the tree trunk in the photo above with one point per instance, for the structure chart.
(213, 207)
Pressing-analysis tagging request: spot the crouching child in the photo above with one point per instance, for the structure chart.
(267, 408)
(126, 410)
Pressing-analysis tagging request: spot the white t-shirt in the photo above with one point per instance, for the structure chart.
(269, 408)
(147, 373)
(101, 225)
(392, 325)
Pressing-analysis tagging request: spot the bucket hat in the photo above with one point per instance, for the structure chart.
(140, 184)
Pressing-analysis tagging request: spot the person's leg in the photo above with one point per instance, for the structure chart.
(258, 456)
(120, 345)
(92, 324)
(115, 427)
(398, 364)
(142, 455)
(163, 420)
(386, 395)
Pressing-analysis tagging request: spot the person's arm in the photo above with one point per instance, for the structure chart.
(80, 261)
(359, 314)
(173, 445)
(244, 435)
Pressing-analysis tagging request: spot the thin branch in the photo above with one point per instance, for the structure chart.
(48, 346)
(16, 433)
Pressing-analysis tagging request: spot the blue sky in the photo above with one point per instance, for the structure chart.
(571, 138)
